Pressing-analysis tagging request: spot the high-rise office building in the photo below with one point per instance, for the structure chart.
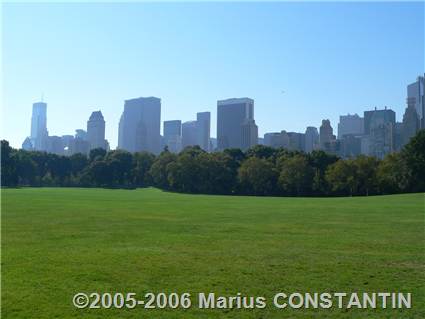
(296, 141)
(380, 131)
(377, 116)
(96, 131)
(173, 127)
(235, 117)
(411, 123)
(79, 144)
(140, 124)
(249, 134)
(350, 124)
(81, 134)
(39, 132)
(173, 135)
(190, 134)
(277, 139)
(55, 145)
(311, 136)
(415, 93)
(350, 145)
(204, 126)
(27, 145)
(326, 135)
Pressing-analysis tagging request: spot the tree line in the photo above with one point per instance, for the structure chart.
(261, 170)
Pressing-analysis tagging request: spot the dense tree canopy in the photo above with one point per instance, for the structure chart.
(260, 170)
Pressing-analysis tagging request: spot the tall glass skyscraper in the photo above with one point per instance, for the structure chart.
(140, 124)
(203, 120)
(96, 131)
(415, 96)
(235, 124)
(39, 132)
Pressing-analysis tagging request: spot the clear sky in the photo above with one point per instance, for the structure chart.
(329, 59)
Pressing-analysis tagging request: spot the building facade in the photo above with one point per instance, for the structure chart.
(380, 132)
(39, 133)
(350, 124)
(235, 117)
(96, 131)
(173, 135)
(415, 93)
(326, 135)
(140, 124)
(311, 136)
(411, 124)
(204, 128)
(249, 134)
(190, 134)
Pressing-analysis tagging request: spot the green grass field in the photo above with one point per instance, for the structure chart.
(57, 242)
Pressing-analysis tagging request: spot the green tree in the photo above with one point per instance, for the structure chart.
(296, 176)
(184, 174)
(392, 175)
(98, 174)
(25, 168)
(158, 170)
(257, 176)
(413, 154)
(97, 154)
(120, 164)
(8, 165)
(142, 163)
(365, 170)
(59, 168)
(341, 177)
(262, 151)
(320, 161)
(78, 162)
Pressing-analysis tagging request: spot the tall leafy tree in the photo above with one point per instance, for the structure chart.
(158, 170)
(413, 154)
(8, 165)
(392, 175)
(296, 176)
(142, 163)
(341, 177)
(257, 176)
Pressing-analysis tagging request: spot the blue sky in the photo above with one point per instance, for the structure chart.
(329, 59)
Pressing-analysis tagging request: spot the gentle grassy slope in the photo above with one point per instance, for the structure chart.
(56, 242)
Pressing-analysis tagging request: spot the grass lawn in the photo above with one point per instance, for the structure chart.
(57, 242)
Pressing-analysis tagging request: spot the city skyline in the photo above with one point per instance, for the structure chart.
(377, 133)
(190, 63)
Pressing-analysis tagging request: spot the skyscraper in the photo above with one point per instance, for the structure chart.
(326, 134)
(411, 122)
(415, 93)
(204, 125)
(277, 139)
(140, 124)
(173, 127)
(249, 134)
(173, 135)
(296, 141)
(190, 134)
(39, 132)
(311, 139)
(96, 130)
(27, 144)
(235, 116)
(350, 124)
(373, 117)
(55, 145)
(380, 132)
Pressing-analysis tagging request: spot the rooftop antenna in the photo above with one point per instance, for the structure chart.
(42, 97)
